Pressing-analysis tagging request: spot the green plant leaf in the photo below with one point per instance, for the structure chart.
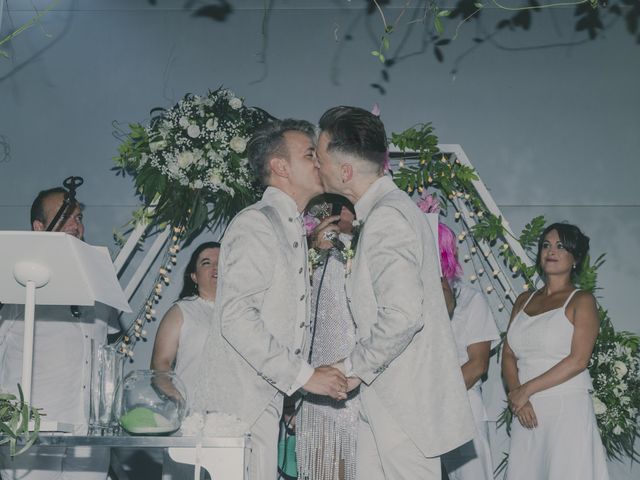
(438, 24)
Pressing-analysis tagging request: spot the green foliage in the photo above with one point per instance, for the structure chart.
(189, 165)
(15, 415)
(489, 228)
(588, 277)
(531, 233)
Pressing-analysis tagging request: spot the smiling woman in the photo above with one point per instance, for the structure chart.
(184, 328)
(546, 353)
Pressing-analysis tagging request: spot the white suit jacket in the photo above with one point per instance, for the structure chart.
(405, 350)
(257, 336)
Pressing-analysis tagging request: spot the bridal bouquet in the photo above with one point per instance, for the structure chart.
(615, 371)
(190, 162)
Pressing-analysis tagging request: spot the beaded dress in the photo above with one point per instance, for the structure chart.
(326, 429)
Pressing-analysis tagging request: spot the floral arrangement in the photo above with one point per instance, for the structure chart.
(615, 371)
(190, 164)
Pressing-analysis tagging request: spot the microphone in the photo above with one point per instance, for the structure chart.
(71, 184)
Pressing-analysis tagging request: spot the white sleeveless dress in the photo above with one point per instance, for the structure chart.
(566, 443)
(197, 315)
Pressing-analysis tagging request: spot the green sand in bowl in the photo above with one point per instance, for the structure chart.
(142, 420)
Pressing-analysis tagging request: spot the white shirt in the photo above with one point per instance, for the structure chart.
(472, 322)
(61, 357)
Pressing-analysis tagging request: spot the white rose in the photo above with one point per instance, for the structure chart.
(193, 131)
(235, 103)
(197, 183)
(617, 430)
(214, 178)
(185, 159)
(238, 144)
(598, 407)
(157, 145)
(620, 369)
(183, 122)
(212, 124)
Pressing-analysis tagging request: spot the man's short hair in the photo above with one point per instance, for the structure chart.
(37, 207)
(268, 142)
(357, 132)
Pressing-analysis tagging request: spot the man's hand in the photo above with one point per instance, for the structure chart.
(327, 381)
(353, 383)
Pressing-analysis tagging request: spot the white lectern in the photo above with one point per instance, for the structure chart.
(50, 268)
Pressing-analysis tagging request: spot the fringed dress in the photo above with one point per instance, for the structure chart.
(326, 429)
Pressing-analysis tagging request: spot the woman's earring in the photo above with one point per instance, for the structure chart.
(574, 266)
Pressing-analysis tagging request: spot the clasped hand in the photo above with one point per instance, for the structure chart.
(328, 381)
(521, 407)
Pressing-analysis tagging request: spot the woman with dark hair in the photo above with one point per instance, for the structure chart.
(184, 328)
(544, 364)
(186, 323)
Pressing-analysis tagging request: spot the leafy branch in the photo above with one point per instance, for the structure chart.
(15, 415)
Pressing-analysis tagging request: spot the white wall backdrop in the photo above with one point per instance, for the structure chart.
(549, 119)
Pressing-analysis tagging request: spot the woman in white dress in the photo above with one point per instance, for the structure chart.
(475, 333)
(544, 364)
(183, 330)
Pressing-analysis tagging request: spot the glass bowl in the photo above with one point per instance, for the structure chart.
(150, 402)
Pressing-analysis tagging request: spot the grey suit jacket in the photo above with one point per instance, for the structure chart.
(255, 345)
(405, 350)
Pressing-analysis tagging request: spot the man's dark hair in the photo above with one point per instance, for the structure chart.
(573, 240)
(268, 142)
(189, 287)
(355, 131)
(37, 208)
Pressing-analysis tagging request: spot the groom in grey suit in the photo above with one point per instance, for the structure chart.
(253, 355)
(414, 401)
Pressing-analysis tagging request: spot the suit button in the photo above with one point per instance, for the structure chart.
(302, 297)
(301, 324)
(295, 244)
(297, 351)
(301, 270)
(291, 219)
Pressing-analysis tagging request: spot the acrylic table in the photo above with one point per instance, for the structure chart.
(225, 458)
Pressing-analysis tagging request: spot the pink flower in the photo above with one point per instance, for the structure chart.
(428, 203)
(375, 109)
(310, 223)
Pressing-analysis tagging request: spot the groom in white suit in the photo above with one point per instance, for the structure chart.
(253, 355)
(414, 401)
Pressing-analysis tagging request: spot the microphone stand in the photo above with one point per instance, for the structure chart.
(71, 184)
